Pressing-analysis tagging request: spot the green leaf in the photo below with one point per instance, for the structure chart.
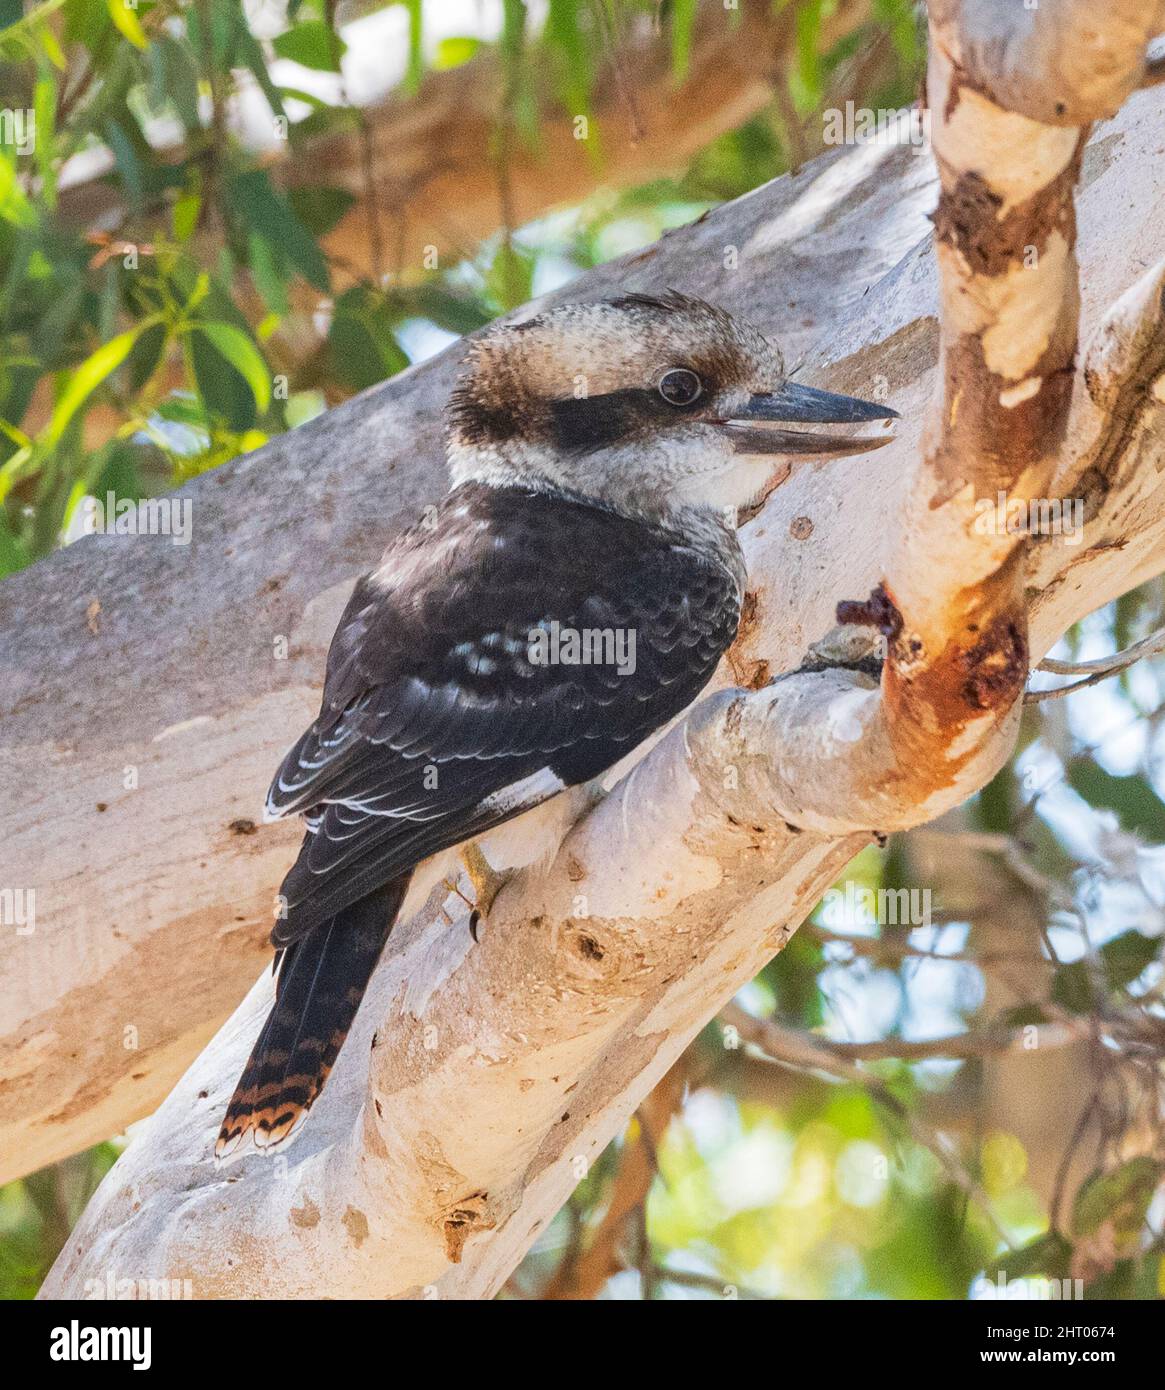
(114, 468)
(226, 24)
(198, 292)
(361, 344)
(415, 68)
(88, 376)
(22, 463)
(452, 52)
(1120, 1199)
(251, 55)
(45, 111)
(456, 313)
(13, 552)
(683, 19)
(14, 205)
(564, 33)
(319, 209)
(265, 212)
(1072, 988)
(86, 22)
(185, 215)
(23, 27)
(1126, 611)
(244, 356)
(1126, 956)
(1138, 806)
(325, 120)
(15, 435)
(807, 77)
(265, 268)
(184, 409)
(308, 98)
(146, 356)
(735, 162)
(126, 21)
(128, 163)
(510, 278)
(792, 977)
(312, 44)
(352, 352)
(901, 19)
(179, 80)
(225, 392)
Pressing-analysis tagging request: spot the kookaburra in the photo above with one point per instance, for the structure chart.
(599, 454)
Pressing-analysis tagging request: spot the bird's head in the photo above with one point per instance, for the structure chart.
(644, 404)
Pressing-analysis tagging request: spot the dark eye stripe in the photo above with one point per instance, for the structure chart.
(591, 422)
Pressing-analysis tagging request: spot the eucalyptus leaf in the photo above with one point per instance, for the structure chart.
(312, 44)
(244, 356)
(89, 375)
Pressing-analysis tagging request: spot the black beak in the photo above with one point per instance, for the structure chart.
(795, 404)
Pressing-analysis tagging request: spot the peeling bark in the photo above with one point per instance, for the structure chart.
(1060, 62)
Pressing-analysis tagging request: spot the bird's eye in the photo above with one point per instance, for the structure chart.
(680, 386)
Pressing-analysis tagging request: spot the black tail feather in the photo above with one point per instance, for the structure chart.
(322, 979)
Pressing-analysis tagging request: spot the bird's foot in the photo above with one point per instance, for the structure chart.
(487, 884)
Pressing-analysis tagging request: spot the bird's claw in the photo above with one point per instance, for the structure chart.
(487, 884)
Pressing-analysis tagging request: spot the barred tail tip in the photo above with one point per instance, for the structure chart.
(264, 1130)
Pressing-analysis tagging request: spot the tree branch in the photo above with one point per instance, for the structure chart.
(808, 1051)
(1061, 62)
(445, 1143)
(1101, 669)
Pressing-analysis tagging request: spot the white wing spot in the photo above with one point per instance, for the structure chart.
(537, 787)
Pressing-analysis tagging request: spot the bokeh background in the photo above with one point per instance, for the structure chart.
(236, 215)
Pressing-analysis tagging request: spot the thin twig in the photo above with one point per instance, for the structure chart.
(1006, 847)
(1066, 1157)
(800, 1048)
(797, 149)
(690, 1279)
(1097, 670)
(786, 1046)
(892, 946)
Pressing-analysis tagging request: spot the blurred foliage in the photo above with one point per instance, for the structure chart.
(130, 362)
(38, 1212)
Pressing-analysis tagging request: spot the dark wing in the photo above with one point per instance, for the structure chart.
(442, 714)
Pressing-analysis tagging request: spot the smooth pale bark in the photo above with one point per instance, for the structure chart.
(497, 1071)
